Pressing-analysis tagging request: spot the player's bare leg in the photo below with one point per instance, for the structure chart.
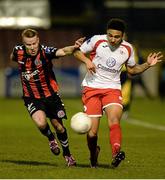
(39, 118)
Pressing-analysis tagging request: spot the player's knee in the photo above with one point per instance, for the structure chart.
(114, 120)
(41, 125)
(58, 127)
(92, 133)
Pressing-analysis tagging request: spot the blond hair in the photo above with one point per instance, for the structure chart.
(29, 33)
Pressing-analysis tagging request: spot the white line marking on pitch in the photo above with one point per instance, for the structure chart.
(145, 124)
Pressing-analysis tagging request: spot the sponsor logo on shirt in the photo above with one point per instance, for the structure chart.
(107, 69)
(28, 75)
(110, 62)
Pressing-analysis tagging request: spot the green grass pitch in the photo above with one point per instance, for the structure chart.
(24, 152)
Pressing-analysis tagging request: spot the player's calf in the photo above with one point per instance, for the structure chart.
(94, 158)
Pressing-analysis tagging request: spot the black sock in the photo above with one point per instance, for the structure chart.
(47, 132)
(92, 144)
(63, 138)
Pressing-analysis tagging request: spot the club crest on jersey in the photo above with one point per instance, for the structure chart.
(61, 114)
(110, 62)
(37, 62)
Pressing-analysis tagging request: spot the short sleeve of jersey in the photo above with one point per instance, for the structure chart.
(14, 55)
(89, 44)
(15, 52)
(50, 52)
(131, 61)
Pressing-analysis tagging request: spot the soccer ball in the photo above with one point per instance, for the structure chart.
(81, 123)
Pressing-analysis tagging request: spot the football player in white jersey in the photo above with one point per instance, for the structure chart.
(102, 87)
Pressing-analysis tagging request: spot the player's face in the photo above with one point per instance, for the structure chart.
(114, 37)
(32, 45)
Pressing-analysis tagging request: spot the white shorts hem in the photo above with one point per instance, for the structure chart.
(110, 104)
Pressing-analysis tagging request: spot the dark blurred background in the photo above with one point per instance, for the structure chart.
(61, 22)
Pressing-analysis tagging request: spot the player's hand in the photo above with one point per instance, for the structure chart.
(79, 42)
(154, 58)
(91, 67)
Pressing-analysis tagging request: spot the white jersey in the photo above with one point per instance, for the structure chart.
(108, 62)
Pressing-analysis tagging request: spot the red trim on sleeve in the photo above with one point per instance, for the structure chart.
(128, 49)
(93, 53)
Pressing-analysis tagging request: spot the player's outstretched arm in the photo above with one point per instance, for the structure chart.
(68, 50)
(152, 60)
(89, 64)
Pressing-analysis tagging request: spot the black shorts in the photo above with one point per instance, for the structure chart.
(52, 106)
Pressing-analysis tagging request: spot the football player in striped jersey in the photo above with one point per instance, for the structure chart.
(40, 88)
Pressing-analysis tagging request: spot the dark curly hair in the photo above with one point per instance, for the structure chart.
(117, 24)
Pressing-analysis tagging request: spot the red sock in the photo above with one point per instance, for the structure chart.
(115, 138)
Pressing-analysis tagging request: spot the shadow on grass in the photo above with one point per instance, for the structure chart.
(36, 163)
(33, 163)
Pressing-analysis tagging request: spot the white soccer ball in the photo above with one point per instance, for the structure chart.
(80, 123)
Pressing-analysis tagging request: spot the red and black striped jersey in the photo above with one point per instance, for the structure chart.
(37, 76)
